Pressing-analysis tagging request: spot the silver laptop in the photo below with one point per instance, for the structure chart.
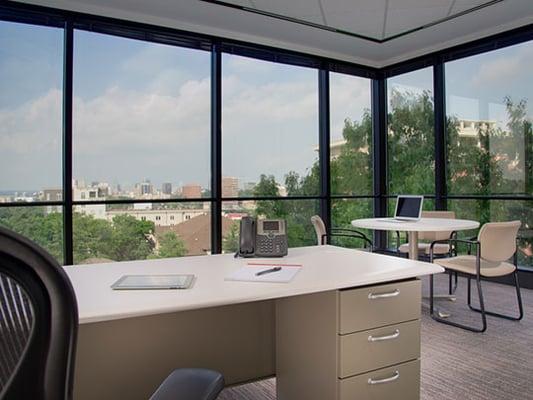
(408, 208)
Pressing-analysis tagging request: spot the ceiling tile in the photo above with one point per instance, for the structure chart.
(306, 10)
(404, 19)
(365, 18)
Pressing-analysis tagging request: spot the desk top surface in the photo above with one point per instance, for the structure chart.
(323, 268)
(422, 225)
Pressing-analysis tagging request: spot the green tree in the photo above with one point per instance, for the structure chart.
(170, 245)
(130, 239)
(230, 242)
(46, 229)
(92, 237)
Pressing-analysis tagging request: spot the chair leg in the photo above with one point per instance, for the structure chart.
(519, 300)
(457, 325)
(452, 286)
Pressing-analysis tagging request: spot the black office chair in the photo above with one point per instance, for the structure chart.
(39, 326)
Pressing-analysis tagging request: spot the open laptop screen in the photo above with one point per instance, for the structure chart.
(408, 207)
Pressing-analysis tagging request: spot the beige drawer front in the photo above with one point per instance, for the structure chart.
(370, 350)
(375, 306)
(400, 382)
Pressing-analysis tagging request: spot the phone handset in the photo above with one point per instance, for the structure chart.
(247, 234)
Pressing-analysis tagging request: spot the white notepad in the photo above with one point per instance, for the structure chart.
(248, 274)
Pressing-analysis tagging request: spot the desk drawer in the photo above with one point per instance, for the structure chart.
(400, 382)
(370, 350)
(375, 306)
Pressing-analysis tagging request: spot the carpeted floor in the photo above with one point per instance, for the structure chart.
(456, 364)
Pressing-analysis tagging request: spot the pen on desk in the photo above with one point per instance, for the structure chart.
(268, 271)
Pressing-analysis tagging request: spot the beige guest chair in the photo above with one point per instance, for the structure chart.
(322, 235)
(495, 246)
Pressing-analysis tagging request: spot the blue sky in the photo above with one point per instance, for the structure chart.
(142, 109)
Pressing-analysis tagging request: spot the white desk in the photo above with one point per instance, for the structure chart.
(414, 227)
(129, 340)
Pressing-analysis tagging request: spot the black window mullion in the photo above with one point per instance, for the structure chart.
(324, 147)
(67, 143)
(216, 149)
(439, 101)
(379, 154)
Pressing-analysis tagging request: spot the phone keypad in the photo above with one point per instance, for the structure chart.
(271, 246)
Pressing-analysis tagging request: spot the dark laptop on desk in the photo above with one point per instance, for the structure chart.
(408, 208)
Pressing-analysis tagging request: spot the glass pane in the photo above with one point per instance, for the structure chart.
(500, 210)
(31, 95)
(270, 128)
(141, 119)
(343, 211)
(411, 141)
(43, 225)
(351, 135)
(121, 232)
(489, 115)
(297, 213)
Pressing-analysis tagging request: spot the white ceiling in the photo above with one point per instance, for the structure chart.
(378, 19)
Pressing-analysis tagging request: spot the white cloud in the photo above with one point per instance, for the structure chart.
(502, 66)
(124, 134)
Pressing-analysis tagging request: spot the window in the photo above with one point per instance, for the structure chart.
(351, 135)
(141, 118)
(31, 72)
(141, 125)
(489, 116)
(270, 129)
(490, 140)
(410, 139)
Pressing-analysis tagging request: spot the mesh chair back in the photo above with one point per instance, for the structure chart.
(431, 236)
(38, 323)
(320, 228)
(498, 240)
(16, 326)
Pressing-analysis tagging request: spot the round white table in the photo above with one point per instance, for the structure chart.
(413, 227)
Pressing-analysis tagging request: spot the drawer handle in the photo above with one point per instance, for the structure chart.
(386, 380)
(374, 296)
(388, 337)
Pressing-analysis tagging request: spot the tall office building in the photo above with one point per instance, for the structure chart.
(191, 191)
(230, 186)
(166, 188)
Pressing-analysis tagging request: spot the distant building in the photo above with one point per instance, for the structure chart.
(191, 191)
(471, 127)
(230, 186)
(144, 188)
(51, 195)
(166, 217)
(93, 193)
(166, 188)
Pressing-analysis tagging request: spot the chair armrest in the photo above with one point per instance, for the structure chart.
(355, 234)
(455, 241)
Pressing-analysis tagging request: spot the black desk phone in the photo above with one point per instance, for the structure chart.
(262, 238)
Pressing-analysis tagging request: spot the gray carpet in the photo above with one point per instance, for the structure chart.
(456, 364)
